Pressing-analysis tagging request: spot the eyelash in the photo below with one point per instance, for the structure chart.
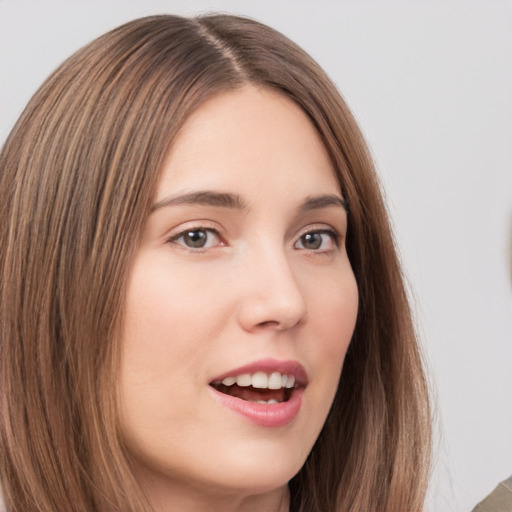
(333, 234)
(194, 229)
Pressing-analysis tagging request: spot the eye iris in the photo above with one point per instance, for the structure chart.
(312, 240)
(195, 239)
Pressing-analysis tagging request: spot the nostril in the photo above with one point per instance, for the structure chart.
(268, 323)
(272, 302)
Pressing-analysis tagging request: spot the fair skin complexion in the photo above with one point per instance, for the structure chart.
(242, 262)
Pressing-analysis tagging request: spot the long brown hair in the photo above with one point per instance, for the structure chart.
(78, 174)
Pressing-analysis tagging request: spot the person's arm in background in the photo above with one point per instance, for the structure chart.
(500, 500)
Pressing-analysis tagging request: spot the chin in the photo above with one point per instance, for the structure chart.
(262, 477)
(248, 468)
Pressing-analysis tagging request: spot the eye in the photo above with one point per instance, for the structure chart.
(197, 238)
(320, 240)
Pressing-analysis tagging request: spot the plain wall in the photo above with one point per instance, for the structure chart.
(431, 85)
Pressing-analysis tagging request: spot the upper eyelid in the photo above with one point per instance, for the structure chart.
(333, 233)
(181, 232)
(213, 227)
(173, 239)
(319, 228)
(192, 226)
(337, 235)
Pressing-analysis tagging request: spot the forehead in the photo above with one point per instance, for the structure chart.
(246, 140)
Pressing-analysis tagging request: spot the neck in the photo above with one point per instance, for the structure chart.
(167, 498)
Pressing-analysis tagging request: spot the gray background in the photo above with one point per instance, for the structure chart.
(431, 85)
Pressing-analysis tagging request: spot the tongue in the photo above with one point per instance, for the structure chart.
(252, 394)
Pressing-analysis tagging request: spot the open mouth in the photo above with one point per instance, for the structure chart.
(259, 387)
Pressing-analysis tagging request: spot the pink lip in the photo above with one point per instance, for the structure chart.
(266, 415)
(268, 366)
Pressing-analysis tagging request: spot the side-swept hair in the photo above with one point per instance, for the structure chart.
(78, 175)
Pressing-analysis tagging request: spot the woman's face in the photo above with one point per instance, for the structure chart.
(241, 279)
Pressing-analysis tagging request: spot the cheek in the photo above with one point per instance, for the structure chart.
(163, 339)
(167, 312)
(343, 313)
(333, 316)
(171, 321)
(151, 352)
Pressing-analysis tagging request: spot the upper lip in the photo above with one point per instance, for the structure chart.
(269, 366)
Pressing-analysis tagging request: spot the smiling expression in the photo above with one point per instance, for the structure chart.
(241, 303)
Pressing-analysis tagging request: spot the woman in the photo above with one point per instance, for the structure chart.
(195, 248)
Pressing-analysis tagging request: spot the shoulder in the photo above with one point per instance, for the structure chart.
(500, 500)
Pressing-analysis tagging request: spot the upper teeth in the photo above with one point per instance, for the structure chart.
(261, 380)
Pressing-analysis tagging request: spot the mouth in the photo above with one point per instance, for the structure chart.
(267, 393)
(259, 387)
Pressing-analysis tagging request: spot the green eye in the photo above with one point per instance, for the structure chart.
(318, 241)
(312, 241)
(197, 238)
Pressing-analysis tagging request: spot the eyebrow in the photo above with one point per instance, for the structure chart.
(205, 198)
(323, 201)
(236, 202)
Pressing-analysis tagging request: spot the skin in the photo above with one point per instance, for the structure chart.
(258, 289)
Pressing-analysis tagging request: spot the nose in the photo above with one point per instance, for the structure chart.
(271, 297)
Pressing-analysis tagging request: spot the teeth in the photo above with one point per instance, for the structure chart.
(261, 380)
(244, 380)
(270, 402)
(274, 381)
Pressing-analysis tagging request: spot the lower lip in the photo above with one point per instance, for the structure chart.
(264, 415)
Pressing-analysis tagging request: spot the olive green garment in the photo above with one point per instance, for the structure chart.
(500, 500)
